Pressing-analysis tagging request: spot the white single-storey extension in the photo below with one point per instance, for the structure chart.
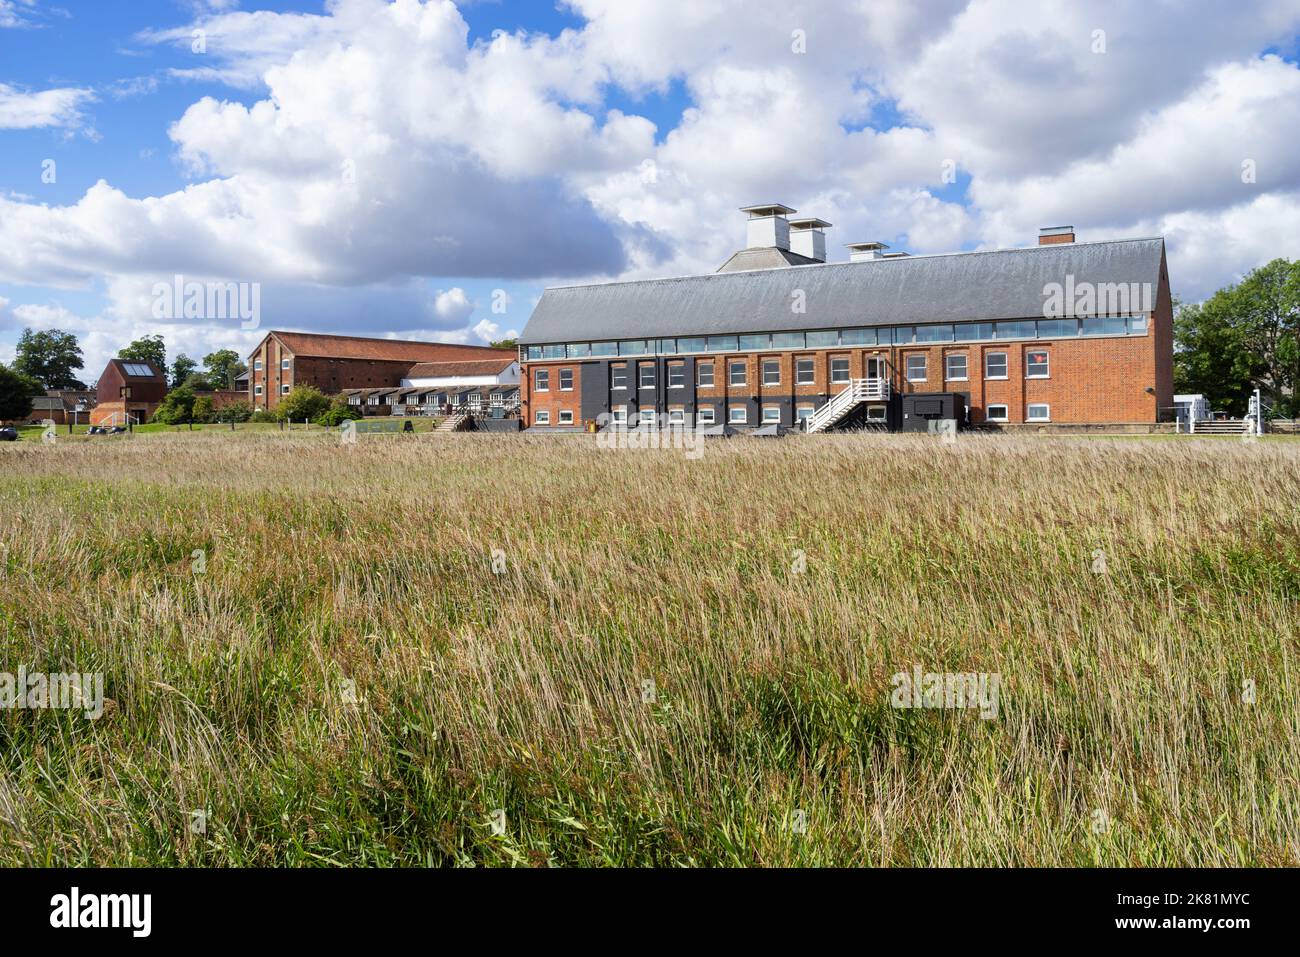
(467, 374)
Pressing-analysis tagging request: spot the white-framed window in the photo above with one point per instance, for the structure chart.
(646, 375)
(566, 417)
(804, 372)
(771, 372)
(955, 366)
(996, 413)
(1038, 412)
(840, 369)
(542, 381)
(566, 380)
(706, 416)
(542, 418)
(772, 413)
(676, 416)
(737, 415)
(284, 389)
(677, 376)
(620, 415)
(704, 375)
(803, 412)
(257, 365)
(647, 416)
(995, 365)
(877, 413)
(257, 390)
(1036, 366)
(284, 363)
(618, 377)
(916, 369)
(736, 373)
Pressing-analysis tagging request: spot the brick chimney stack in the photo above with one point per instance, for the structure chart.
(1051, 235)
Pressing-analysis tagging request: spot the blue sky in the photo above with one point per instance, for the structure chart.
(393, 167)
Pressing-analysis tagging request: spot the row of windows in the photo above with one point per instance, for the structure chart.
(257, 364)
(834, 338)
(284, 389)
(739, 415)
(1037, 366)
(1034, 412)
(955, 369)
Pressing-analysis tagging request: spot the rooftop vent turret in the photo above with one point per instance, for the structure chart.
(768, 226)
(862, 252)
(807, 238)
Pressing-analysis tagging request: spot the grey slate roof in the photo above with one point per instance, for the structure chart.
(953, 287)
(764, 257)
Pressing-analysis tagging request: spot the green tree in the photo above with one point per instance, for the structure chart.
(199, 382)
(176, 408)
(50, 357)
(205, 410)
(17, 390)
(304, 402)
(505, 344)
(223, 366)
(182, 367)
(1210, 357)
(148, 349)
(1243, 336)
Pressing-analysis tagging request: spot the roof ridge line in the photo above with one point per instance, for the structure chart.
(960, 252)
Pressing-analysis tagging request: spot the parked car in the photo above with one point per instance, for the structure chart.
(8, 434)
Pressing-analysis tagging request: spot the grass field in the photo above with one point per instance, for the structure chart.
(654, 677)
(79, 433)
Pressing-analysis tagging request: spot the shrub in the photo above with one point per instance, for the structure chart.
(303, 403)
(240, 411)
(264, 415)
(338, 413)
(177, 408)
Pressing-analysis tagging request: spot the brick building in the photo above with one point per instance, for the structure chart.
(1060, 332)
(128, 388)
(334, 364)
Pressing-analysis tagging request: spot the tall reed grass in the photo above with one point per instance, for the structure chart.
(654, 677)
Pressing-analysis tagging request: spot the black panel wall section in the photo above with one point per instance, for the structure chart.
(594, 379)
(648, 399)
(598, 395)
(688, 393)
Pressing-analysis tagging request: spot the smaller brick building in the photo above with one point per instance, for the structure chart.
(334, 364)
(128, 388)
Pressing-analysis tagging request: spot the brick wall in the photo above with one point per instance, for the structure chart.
(1089, 380)
(332, 375)
(555, 400)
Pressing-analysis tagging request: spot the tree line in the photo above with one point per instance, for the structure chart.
(49, 360)
(1245, 336)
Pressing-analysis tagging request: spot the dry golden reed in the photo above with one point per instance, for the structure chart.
(479, 649)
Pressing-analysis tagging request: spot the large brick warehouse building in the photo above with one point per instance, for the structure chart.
(334, 364)
(1061, 332)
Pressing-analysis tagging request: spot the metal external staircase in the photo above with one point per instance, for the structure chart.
(854, 394)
